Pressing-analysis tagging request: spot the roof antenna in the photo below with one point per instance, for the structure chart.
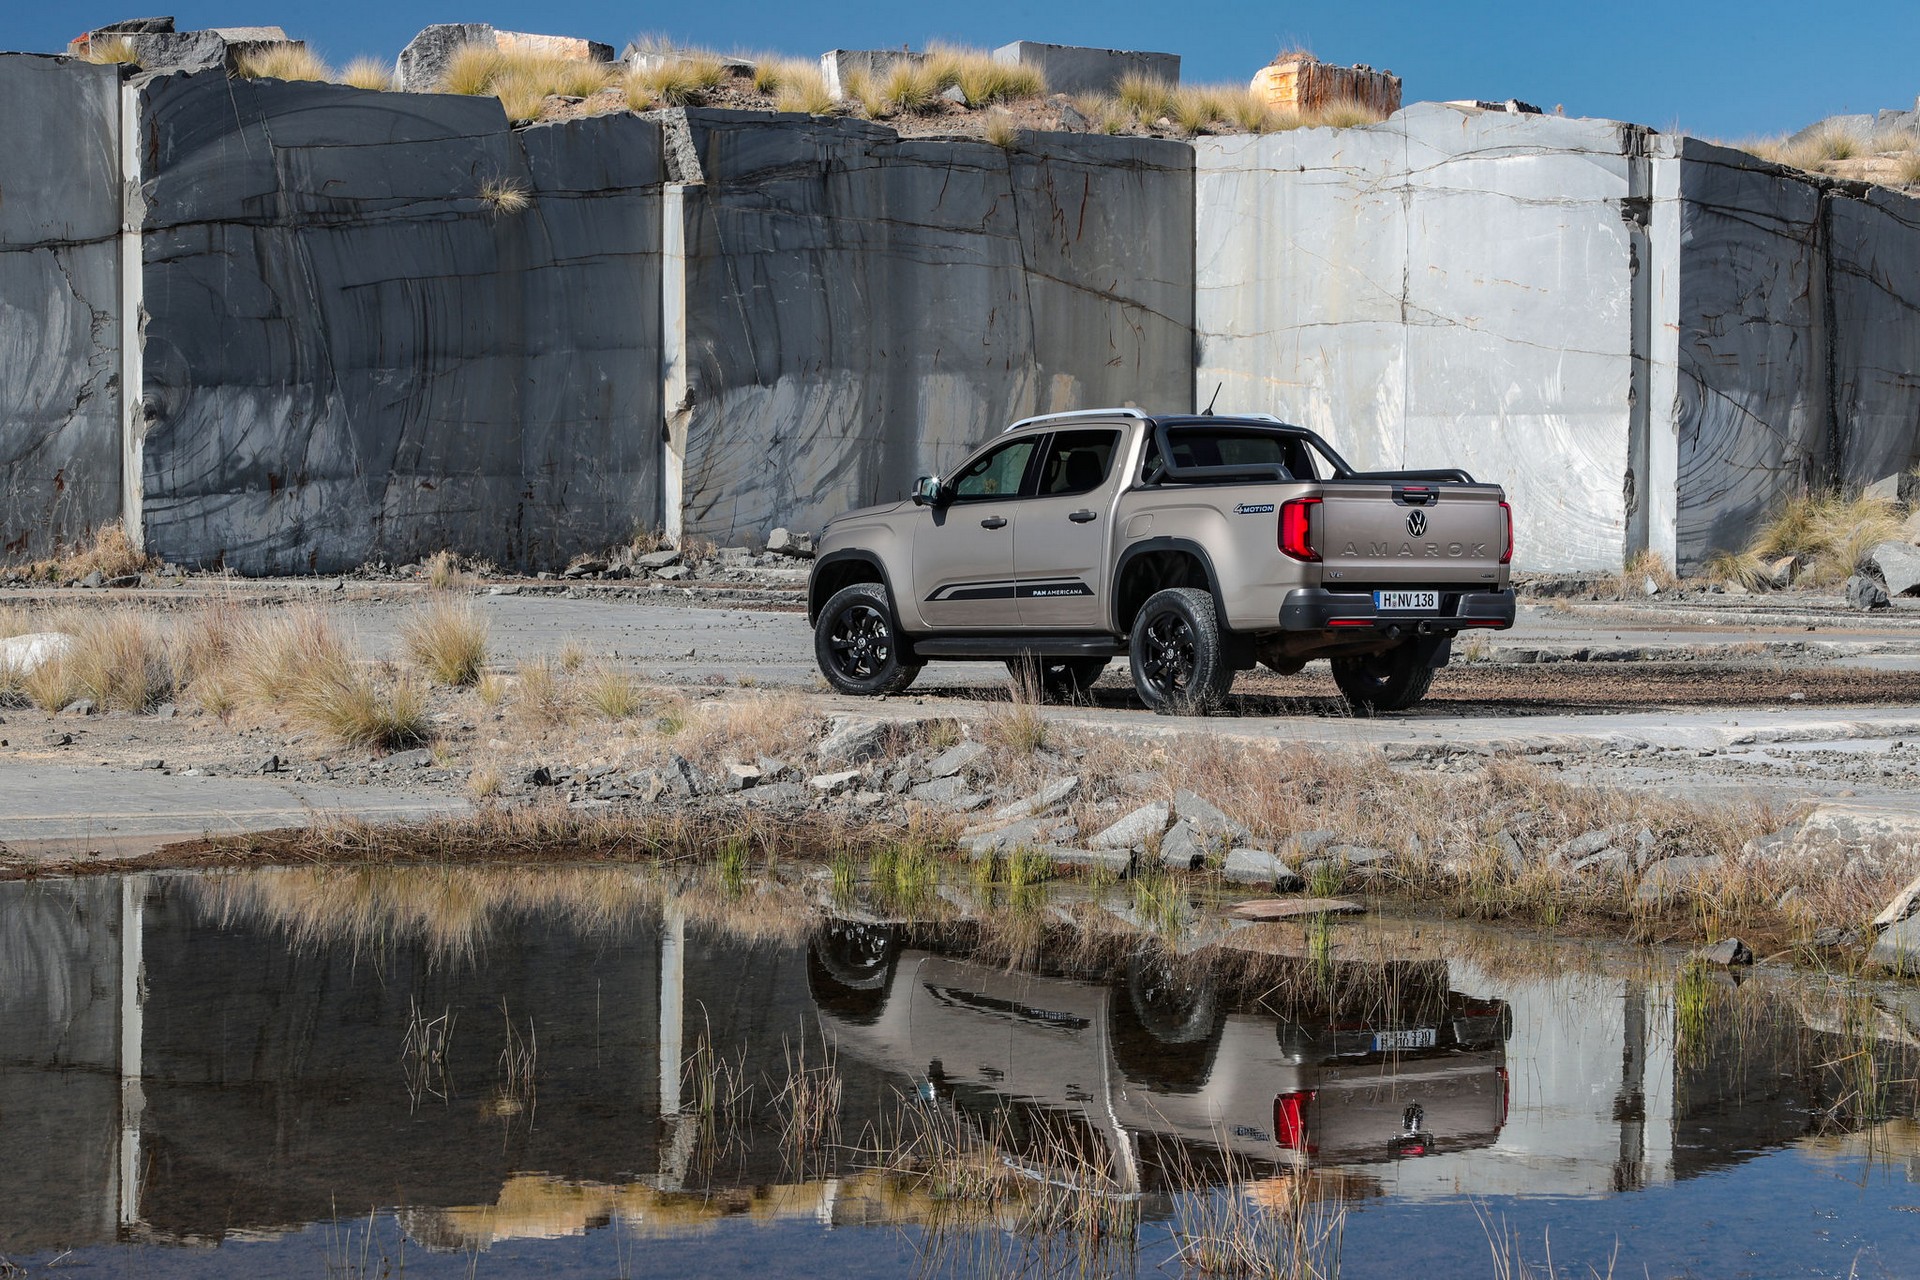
(1208, 411)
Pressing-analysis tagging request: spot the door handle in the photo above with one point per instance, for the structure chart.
(994, 522)
(1081, 517)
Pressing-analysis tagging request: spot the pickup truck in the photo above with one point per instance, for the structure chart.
(1196, 545)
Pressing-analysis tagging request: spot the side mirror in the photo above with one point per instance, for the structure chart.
(926, 491)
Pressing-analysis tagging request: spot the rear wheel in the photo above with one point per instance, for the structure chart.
(1179, 664)
(1390, 681)
(1056, 679)
(855, 644)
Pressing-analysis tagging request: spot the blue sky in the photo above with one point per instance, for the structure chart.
(1718, 69)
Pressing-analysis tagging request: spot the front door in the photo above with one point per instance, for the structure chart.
(963, 549)
(1060, 548)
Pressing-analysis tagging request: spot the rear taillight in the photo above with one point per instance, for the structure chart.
(1506, 543)
(1296, 528)
(1290, 1121)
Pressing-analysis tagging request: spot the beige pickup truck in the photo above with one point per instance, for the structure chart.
(1196, 545)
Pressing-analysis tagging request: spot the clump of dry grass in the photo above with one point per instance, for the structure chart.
(1747, 569)
(1001, 130)
(1830, 533)
(1906, 169)
(118, 51)
(1642, 567)
(523, 80)
(794, 84)
(504, 196)
(346, 702)
(1146, 98)
(448, 641)
(614, 694)
(445, 571)
(1812, 153)
(282, 62)
(673, 76)
(110, 553)
(368, 73)
(540, 693)
(1019, 729)
(118, 660)
(866, 95)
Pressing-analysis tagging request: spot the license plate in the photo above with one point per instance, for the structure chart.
(1398, 601)
(1420, 1038)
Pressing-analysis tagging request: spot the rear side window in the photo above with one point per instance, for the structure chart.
(1077, 462)
(1227, 447)
(997, 473)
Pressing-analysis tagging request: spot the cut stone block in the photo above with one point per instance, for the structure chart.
(839, 66)
(1073, 69)
(1304, 84)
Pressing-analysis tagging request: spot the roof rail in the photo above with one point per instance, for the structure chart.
(1142, 414)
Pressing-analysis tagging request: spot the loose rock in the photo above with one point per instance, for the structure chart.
(1144, 823)
(1257, 866)
(1727, 951)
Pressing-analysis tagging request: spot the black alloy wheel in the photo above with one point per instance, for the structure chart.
(855, 645)
(1179, 664)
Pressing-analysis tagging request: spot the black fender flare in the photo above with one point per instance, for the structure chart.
(846, 555)
(1149, 546)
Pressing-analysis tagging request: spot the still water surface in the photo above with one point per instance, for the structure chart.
(594, 1073)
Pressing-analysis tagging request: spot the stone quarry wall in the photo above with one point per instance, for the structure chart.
(1450, 288)
(351, 354)
(376, 325)
(60, 306)
(1798, 348)
(861, 308)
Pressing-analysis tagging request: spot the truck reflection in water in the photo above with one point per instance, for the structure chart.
(193, 1059)
(1353, 1065)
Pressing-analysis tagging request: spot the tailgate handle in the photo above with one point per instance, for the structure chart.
(1415, 496)
(1082, 516)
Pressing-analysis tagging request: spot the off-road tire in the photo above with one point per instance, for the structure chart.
(1179, 663)
(1057, 679)
(1390, 681)
(857, 645)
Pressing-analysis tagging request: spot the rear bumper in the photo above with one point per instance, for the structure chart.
(1317, 609)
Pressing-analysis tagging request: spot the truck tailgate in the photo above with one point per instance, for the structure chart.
(1389, 533)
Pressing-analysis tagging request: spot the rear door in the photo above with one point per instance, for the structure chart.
(1060, 547)
(963, 553)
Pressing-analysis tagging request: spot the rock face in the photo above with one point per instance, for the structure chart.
(351, 356)
(830, 377)
(59, 303)
(1074, 69)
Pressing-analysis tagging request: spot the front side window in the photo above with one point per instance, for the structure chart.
(996, 473)
(1077, 462)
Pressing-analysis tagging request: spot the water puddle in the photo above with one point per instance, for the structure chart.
(601, 1072)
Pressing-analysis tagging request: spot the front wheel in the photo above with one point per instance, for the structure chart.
(1179, 663)
(855, 644)
(1390, 681)
(1056, 679)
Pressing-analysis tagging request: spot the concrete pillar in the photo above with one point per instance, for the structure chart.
(133, 421)
(133, 1098)
(675, 396)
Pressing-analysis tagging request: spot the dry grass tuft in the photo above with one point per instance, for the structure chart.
(681, 77)
(614, 694)
(1146, 98)
(865, 95)
(118, 51)
(448, 640)
(540, 693)
(1001, 131)
(368, 73)
(504, 196)
(910, 88)
(111, 554)
(346, 702)
(794, 84)
(984, 80)
(523, 80)
(283, 62)
(1831, 534)
(1739, 568)
(1644, 566)
(118, 661)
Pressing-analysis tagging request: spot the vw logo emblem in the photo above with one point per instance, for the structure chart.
(1417, 523)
